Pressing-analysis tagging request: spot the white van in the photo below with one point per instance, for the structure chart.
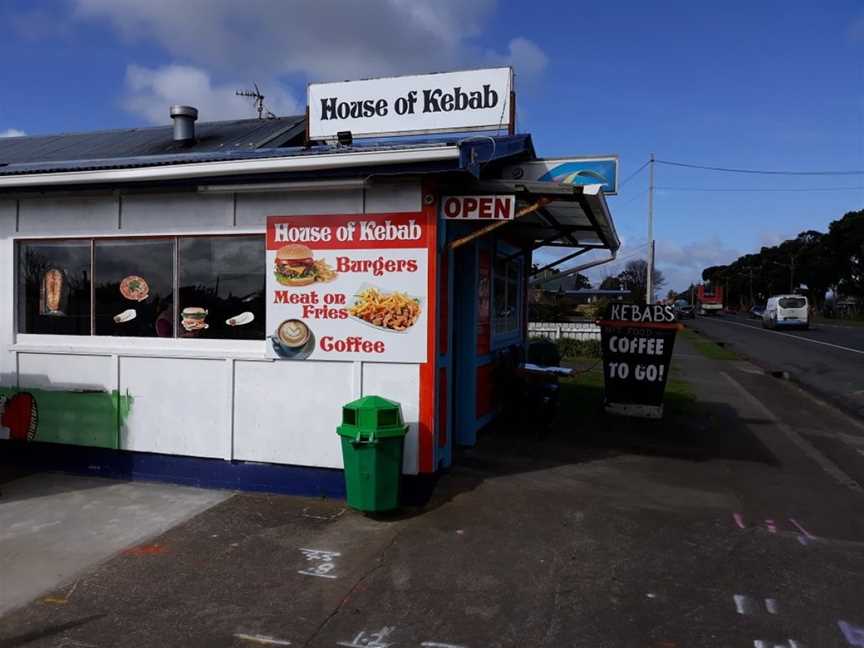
(786, 310)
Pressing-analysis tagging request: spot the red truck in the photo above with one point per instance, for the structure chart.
(709, 299)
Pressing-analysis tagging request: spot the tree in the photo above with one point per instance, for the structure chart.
(610, 283)
(580, 282)
(846, 243)
(635, 279)
(812, 261)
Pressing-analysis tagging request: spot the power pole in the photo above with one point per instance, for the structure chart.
(791, 274)
(751, 285)
(649, 283)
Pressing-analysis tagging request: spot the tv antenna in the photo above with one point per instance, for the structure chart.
(258, 100)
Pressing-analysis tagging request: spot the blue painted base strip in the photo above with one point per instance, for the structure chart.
(189, 471)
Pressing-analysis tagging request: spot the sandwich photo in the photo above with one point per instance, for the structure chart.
(193, 318)
(296, 267)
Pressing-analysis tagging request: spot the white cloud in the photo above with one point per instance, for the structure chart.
(683, 264)
(527, 59)
(680, 263)
(278, 44)
(150, 93)
(318, 39)
(12, 132)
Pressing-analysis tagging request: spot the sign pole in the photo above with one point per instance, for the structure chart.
(649, 280)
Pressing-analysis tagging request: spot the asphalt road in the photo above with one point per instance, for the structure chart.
(828, 359)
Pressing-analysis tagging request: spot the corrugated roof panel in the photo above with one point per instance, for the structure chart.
(243, 134)
(190, 155)
(193, 157)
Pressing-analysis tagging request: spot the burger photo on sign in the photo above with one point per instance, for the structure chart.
(295, 266)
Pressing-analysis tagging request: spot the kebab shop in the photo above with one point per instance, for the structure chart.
(196, 302)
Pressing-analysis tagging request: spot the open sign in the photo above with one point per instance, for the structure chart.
(478, 207)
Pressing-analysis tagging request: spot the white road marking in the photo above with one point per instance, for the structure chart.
(854, 422)
(830, 468)
(324, 562)
(795, 337)
(853, 634)
(370, 639)
(262, 639)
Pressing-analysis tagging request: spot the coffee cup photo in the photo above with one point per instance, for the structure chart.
(293, 339)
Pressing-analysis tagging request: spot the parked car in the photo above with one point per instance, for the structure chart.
(756, 311)
(786, 310)
(685, 311)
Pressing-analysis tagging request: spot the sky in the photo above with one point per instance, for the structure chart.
(765, 85)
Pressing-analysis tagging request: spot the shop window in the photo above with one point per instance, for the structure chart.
(221, 282)
(208, 286)
(54, 287)
(134, 287)
(505, 296)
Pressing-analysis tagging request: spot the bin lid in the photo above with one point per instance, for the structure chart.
(372, 415)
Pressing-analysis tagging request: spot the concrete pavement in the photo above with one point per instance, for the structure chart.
(54, 527)
(723, 525)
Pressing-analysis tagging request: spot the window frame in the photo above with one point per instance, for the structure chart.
(96, 341)
(16, 289)
(513, 269)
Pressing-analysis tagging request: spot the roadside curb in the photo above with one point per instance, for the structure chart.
(782, 374)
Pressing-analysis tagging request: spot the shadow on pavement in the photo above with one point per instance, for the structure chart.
(47, 484)
(49, 631)
(582, 432)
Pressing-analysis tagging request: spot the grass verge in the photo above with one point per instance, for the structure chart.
(706, 347)
(582, 394)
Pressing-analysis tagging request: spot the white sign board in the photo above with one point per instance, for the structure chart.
(347, 287)
(478, 207)
(448, 101)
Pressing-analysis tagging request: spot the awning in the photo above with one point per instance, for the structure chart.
(552, 214)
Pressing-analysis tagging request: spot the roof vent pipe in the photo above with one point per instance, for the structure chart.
(184, 123)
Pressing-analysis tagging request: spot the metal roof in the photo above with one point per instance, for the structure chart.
(211, 137)
(473, 153)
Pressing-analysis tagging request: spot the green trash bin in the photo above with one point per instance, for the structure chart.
(372, 433)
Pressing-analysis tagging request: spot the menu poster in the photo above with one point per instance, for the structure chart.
(347, 287)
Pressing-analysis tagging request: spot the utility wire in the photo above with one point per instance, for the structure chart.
(633, 199)
(634, 174)
(760, 172)
(760, 189)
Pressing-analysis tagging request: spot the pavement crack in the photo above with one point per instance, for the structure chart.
(379, 563)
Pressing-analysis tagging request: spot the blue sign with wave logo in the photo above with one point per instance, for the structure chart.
(584, 172)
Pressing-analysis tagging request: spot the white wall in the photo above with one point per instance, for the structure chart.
(8, 217)
(194, 397)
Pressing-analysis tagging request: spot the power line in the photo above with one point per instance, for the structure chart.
(759, 172)
(634, 198)
(723, 189)
(633, 175)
